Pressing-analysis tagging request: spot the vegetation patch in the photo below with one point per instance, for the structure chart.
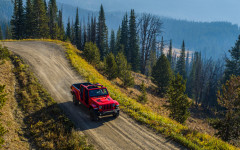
(47, 126)
(163, 125)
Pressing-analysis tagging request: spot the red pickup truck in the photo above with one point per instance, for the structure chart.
(96, 98)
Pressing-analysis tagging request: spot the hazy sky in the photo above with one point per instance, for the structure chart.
(197, 10)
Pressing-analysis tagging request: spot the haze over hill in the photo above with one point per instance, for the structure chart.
(197, 10)
(212, 39)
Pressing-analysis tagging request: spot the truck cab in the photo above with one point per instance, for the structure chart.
(96, 98)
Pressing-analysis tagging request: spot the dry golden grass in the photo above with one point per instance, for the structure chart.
(11, 117)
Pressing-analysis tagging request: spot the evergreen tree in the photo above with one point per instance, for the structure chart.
(80, 39)
(17, 20)
(124, 70)
(76, 31)
(1, 35)
(91, 53)
(61, 32)
(170, 53)
(178, 101)
(88, 31)
(124, 37)
(162, 46)
(180, 68)
(45, 5)
(133, 43)
(53, 22)
(68, 30)
(8, 33)
(229, 98)
(29, 20)
(84, 35)
(233, 64)
(143, 97)
(110, 66)
(40, 23)
(118, 46)
(102, 33)
(93, 29)
(112, 43)
(72, 33)
(162, 74)
(187, 65)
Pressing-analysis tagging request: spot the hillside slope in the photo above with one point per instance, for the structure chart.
(53, 70)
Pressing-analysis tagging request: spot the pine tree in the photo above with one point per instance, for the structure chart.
(143, 97)
(118, 46)
(40, 23)
(162, 46)
(124, 37)
(80, 39)
(170, 53)
(102, 33)
(29, 20)
(124, 70)
(133, 43)
(53, 22)
(8, 33)
(110, 66)
(72, 33)
(112, 43)
(233, 64)
(91, 53)
(76, 31)
(84, 35)
(68, 30)
(229, 98)
(178, 101)
(187, 65)
(1, 35)
(180, 68)
(93, 29)
(88, 30)
(17, 20)
(162, 74)
(61, 32)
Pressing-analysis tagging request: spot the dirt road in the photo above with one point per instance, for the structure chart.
(53, 70)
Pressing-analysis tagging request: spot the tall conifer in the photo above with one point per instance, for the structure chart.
(133, 42)
(1, 34)
(17, 20)
(181, 68)
(112, 43)
(29, 20)
(102, 33)
(53, 22)
(68, 30)
(40, 29)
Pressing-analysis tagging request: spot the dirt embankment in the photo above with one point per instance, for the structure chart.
(56, 75)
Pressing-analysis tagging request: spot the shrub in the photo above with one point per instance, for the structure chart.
(143, 97)
(110, 66)
(91, 53)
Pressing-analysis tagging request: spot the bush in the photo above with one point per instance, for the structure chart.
(110, 66)
(124, 70)
(143, 97)
(4, 53)
(91, 53)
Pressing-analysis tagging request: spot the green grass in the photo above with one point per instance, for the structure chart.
(47, 126)
(166, 126)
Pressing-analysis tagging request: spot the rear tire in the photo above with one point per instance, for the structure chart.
(93, 115)
(75, 101)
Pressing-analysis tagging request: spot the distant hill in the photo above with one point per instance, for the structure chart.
(212, 39)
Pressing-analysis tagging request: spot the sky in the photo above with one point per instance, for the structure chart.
(193, 10)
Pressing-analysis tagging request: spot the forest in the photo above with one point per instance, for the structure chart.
(138, 46)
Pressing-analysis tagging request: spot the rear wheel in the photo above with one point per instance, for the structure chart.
(75, 101)
(93, 115)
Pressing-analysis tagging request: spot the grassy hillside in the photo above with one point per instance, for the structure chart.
(182, 134)
(144, 115)
(46, 125)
